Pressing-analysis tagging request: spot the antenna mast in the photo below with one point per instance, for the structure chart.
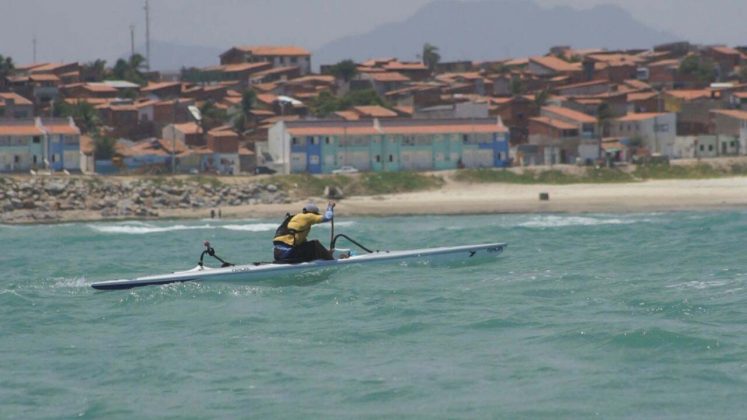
(132, 40)
(147, 35)
(34, 43)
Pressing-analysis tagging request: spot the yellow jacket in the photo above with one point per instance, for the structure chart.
(301, 223)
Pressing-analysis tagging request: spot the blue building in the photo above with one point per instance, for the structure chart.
(321, 146)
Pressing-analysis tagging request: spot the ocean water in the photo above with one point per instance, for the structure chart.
(602, 315)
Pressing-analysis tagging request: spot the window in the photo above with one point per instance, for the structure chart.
(732, 144)
(16, 159)
(326, 140)
(34, 158)
(702, 148)
(391, 158)
(36, 140)
(54, 158)
(294, 141)
(710, 147)
(378, 158)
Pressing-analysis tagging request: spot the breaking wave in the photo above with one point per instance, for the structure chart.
(562, 221)
(140, 228)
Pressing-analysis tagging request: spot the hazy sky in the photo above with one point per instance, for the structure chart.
(87, 29)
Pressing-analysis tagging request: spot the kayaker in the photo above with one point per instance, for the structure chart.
(290, 243)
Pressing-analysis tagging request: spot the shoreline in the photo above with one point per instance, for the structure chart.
(456, 198)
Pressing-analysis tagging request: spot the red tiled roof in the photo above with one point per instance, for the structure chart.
(554, 123)
(29, 129)
(188, 128)
(570, 114)
(398, 65)
(641, 96)
(44, 78)
(153, 86)
(61, 129)
(18, 99)
(389, 76)
(556, 64)
(374, 111)
(269, 50)
(689, 95)
(348, 115)
(734, 113)
(640, 116)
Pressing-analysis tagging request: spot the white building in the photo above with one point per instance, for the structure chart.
(657, 131)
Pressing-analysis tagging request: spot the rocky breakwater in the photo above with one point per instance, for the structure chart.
(44, 199)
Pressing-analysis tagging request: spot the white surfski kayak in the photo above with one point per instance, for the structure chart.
(264, 271)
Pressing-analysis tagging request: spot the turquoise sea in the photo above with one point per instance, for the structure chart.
(601, 315)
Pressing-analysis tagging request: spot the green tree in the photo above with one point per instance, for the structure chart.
(83, 113)
(130, 70)
(702, 68)
(103, 147)
(430, 56)
(248, 98)
(327, 103)
(6, 66)
(212, 116)
(94, 71)
(540, 97)
(517, 86)
(345, 70)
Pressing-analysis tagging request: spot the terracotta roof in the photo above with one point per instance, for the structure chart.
(406, 110)
(222, 133)
(188, 128)
(60, 129)
(665, 63)
(270, 50)
(640, 116)
(726, 50)
(689, 95)
(615, 59)
(245, 151)
(734, 113)
(641, 96)
(348, 115)
(570, 114)
(267, 98)
(556, 64)
(48, 67)
(15, 129)
(99, 87)
(389, 76)
(517, 62)
(554, 123)
(740, 95)
(637, 84)
(410, 128)
(398, 65)
(230, 68)
(374, 111)
(319, 78)
(159, 85)
(44, 78)
(19, 100)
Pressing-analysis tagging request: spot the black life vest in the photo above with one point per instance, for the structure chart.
(283, 229)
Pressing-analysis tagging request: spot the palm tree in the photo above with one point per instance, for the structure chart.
(6, 66)
(212, 116)
(84, 114)
(94, 71)
(430, 56)
(130, 70)
(540, 98)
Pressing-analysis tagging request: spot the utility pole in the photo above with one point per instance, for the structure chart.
(132, 40)
(147, 35)
(34, 44)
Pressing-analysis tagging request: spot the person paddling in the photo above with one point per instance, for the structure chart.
(290, 243)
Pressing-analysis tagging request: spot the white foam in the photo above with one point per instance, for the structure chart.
(563, 221)
(257, 227)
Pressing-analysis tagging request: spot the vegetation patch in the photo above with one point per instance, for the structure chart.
(551, 176)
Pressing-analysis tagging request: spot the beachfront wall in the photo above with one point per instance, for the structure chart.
(404, 145)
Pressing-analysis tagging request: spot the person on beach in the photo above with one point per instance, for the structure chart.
(290, 244)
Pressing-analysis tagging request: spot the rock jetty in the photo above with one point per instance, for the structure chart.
(50, 199)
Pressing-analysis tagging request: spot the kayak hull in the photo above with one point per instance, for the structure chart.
(265, 271)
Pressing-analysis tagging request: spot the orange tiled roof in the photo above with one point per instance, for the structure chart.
(152, 86)
(398, 65)
(60, 129)
(374, 111)
(44, 78)
(188, 128)
(726, 50)
(570, 114)
(19, 100)
(269, 50)
(29, 129)
(389, 76)
(640, 116)
(554, 123)
(734, 113)
(348, 115)
(689, 95)
(641, 96)
(556, 64)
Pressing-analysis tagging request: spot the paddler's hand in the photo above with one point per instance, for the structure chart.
(331, 204)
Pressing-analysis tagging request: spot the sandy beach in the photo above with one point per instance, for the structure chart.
(476, 198)
(462, 198)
